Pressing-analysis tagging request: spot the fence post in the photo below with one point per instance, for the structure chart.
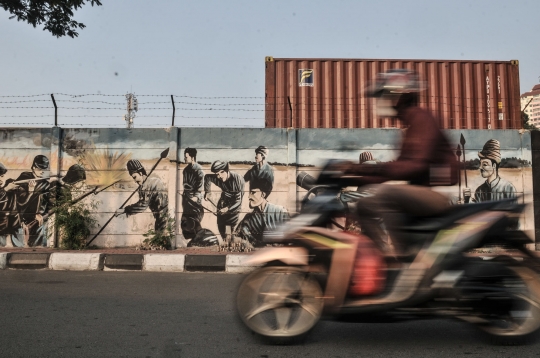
(55, 111)
(173, 110)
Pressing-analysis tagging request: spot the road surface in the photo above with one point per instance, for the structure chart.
(144, 314)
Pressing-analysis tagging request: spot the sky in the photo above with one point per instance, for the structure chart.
(210, 54)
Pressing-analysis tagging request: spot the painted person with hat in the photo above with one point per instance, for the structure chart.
(72, 182)
(9, 220)
(366, 158)
(152, 194)
(495, 187)
(265, 215)
(33, 201)
(232, 193)
(192, 210)
(261, 169)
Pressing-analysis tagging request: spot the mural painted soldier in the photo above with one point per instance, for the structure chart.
(152, 194)
(495, 187)
(72, 183)
(192, 210)
(265, 215)
(9, 220)
(33, 201)
(261, 170)
(232, 192)
(366, 158)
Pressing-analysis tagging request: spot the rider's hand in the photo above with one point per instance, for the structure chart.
(119, 212)
(223, 211)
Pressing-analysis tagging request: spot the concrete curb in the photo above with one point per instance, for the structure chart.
(35, 261)
(164, 262)
(123, 262)
(76, 261)
(236, 264)
(152, 262)
(205, 263)
(3, 260)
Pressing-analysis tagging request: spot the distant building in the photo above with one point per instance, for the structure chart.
(533, 109)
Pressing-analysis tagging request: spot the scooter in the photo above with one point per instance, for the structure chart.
(314, 272)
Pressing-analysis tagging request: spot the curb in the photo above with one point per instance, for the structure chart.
(76, 262)
(164, 262)
(123, 262)
(236, 264)
(152, 262)
(205, 263)
(3, 260)
(19, 260)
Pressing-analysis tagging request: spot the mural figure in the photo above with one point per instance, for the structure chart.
(366, 158)
(495, 187)
(261, 169)
(192, 210)
(8, 208)
(265, 215)
(73, 181)
(152, 194)
(232, 192)
(33, 202)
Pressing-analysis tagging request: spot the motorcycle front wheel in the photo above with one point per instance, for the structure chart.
(280, 303)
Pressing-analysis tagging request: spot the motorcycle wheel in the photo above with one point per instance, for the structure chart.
(511, 316)
(280, 303)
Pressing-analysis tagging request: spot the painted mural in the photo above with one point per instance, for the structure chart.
(222, 187)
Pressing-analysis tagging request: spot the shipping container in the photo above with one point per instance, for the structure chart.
(328, 93)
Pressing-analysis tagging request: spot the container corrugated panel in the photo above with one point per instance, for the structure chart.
(327, 93)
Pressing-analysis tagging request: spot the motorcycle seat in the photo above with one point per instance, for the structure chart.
(449, 216)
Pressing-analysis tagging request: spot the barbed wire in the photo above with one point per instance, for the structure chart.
(425, 95)
(163, 125)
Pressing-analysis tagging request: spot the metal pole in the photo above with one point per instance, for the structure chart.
(55, 111)
(173, 110)
(290, 107)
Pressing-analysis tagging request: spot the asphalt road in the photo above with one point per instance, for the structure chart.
(144, 314)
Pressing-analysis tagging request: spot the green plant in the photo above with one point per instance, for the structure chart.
(159, 240)
(73, 219)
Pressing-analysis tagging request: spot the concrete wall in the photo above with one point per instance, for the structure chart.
(105, 154)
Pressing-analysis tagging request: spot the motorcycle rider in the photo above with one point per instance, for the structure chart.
(426, 159)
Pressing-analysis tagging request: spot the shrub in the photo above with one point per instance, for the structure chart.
(159, 240)
(73, 220)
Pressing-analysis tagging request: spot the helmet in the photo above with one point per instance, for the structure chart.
(393, 88)
(396, 81)
(74, 174)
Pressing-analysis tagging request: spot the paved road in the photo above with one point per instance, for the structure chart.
(143, 314)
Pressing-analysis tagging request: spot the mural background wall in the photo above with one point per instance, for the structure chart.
(202, 195)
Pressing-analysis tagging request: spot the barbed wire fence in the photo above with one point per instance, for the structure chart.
(107, 110)
(103, 110)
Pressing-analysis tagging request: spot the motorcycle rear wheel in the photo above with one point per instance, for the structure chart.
(280, 303)
(517, 319)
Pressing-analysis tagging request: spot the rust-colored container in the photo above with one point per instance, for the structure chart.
(327, 93)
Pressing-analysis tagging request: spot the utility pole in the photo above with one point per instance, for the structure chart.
(132, 107)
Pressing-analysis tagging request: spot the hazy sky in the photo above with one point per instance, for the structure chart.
(217, 49)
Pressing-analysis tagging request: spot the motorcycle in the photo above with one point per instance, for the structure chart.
(313, 272)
